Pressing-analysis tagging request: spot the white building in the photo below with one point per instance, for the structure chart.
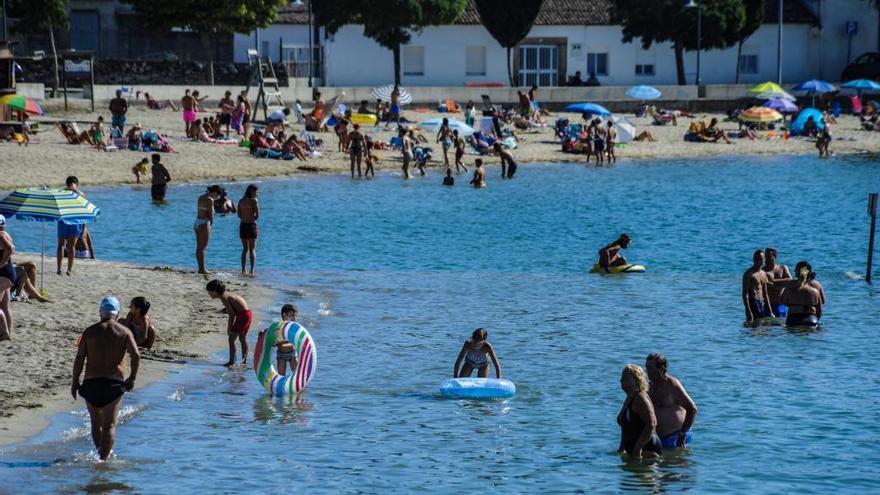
(577, 35)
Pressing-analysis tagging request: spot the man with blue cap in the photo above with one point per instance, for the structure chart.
(102, 349)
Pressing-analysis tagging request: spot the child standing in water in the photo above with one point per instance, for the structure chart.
(240, 318)
(476, 353)
(286, 350)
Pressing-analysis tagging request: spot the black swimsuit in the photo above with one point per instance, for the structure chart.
(7, 270)
(101, 391)
(631, 426)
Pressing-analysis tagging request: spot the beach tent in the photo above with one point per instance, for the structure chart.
(588, 108)
(433, 126)
(797, 126)
(45, 205)
(643, 93)
(765, 87)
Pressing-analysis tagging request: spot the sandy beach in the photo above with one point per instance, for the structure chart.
(50, 159)
(35, 366)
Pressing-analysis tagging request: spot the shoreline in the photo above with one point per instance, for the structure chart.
(49, 159)
(41, 342)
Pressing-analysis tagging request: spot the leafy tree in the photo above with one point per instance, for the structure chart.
(661, 21)
(35, 16)
(389, 22)
(508, 25)
(754, 19)
(209, 18)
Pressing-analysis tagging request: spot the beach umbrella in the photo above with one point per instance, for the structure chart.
(45, 205)
(781, 105)
(814, 86)
(433, 125)
(384, 93)
(22, 103)
(773, 95)
(862, 85)
(760, 115)
(643, 93)
(797, 124)
(765, 87)
(588, 108)
(626, 132)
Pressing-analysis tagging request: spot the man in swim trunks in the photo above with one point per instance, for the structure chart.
(610, 255)
(118, 109)
(160, 179)
(508, 164)
(102, 349)
(673, 406)
(227, 106)
(755, 294)
(395, 105)
(188, 103)
(479, 179)
(240, 318)
(774, 272)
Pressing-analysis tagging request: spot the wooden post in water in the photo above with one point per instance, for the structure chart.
(872, 210)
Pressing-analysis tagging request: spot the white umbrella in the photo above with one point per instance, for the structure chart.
(384, 93)
(626, 132)
(773, 95)
(433, 125)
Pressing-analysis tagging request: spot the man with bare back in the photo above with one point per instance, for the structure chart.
(673, 406)
(102, 349)
(755, 292)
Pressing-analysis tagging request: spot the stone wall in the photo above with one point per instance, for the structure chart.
(137, 72)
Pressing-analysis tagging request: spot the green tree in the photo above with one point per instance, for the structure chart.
(508, 25)
(209, 18)
(661, 21)
(754, 19)
(36, 16)
(389, 22)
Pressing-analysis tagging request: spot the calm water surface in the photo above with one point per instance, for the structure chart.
(392, 277)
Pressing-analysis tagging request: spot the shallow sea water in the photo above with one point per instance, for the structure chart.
(391, 278)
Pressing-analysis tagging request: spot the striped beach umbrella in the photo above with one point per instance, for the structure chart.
(22, 103)
(760, 115)
(44, 205)
(384, 93)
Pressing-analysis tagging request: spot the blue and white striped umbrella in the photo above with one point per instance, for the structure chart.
(44, 205)
(384, 93)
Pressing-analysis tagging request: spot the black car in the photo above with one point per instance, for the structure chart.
(867, 66)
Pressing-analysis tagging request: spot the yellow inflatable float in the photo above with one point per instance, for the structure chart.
(617, 269)
(363, 118)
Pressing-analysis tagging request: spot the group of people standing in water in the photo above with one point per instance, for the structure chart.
(770, 291)
(214, 200)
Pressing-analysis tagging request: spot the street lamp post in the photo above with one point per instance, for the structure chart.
(694, 5)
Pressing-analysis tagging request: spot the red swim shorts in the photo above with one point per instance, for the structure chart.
(243, 322)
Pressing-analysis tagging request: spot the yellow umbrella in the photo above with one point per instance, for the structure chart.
(765, 87)
(760, 115)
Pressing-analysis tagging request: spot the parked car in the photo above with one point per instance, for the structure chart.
(867, 66)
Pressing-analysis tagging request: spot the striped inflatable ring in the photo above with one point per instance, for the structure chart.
(306, 358)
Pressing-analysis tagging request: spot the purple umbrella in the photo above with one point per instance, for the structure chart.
(781, 105)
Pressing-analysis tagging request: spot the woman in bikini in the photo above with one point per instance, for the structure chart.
(249, 213)
(202, 226)
(444, 137)
(139, 323)
(476, 353)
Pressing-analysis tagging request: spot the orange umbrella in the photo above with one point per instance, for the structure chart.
(760, 115)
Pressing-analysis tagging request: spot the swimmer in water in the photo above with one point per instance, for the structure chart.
(476, 353)
(610, 255)
(755, 294)
(479, 180)
(286, 350)
(803, 299)
(774, 272)
(637, 420)
(674, 408)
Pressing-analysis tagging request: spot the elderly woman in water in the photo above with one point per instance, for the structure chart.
(638, 423)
